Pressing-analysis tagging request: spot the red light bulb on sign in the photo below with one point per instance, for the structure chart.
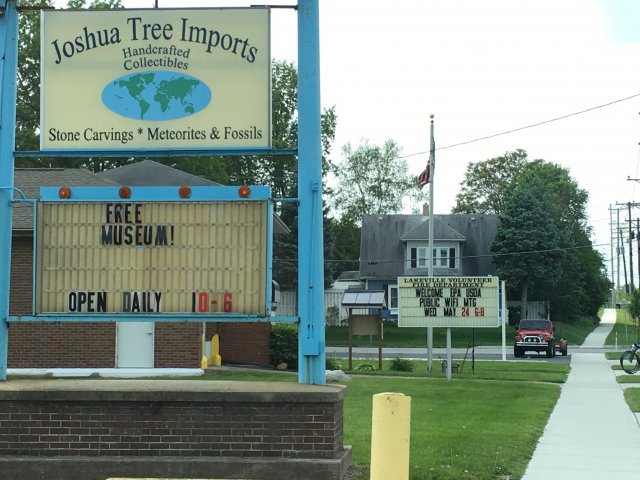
(125, 192)
(244, 191)
(64, 192)
(184, 191)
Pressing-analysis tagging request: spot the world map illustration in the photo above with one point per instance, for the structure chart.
(156, 96)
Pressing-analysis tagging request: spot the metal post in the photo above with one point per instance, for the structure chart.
(311, 351)
(613, 288)
(448, 353)
(638, 245)
(631, 287)
(504, 318)
(432, 161)
(8, 68)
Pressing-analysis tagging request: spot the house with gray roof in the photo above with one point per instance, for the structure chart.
(398, 245)
(29, 180)
(150, 173)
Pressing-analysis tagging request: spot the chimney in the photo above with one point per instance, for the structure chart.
(425, 209)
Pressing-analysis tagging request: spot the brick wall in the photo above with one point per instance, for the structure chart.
(21, 275)
(246, 343)
(178, 345)
(165, 428)
(62, 345)
(151, 420)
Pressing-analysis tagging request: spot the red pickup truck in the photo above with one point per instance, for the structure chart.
(538, 336)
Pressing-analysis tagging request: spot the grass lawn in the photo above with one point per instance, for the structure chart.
(624, 332)
(478, 426)
(400, 337)
(526, 370)
(632, 396)
(459, 429)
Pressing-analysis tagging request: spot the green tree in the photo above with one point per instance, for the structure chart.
(487, 184)
(634, 306)
(285, 250)
(280, 172)
(28, 81)
(526, 245)
(373, 180)
(582, 286)
(346, 249)
(28, 95)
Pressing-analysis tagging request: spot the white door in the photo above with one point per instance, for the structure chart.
(134, 344)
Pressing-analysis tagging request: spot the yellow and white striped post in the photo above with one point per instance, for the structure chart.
(390, 430)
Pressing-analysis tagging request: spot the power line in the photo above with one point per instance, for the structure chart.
(533, 125)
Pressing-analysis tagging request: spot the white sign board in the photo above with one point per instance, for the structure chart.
(448, 302)
(154, 79)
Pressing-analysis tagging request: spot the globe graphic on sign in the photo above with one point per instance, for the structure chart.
(156, 96)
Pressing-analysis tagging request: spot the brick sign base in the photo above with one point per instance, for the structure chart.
(95, 429)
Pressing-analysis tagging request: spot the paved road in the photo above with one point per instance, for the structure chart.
(481, 353)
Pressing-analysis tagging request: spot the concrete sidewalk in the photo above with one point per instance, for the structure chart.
(591, 434)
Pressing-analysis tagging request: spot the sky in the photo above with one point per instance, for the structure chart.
(483, 68)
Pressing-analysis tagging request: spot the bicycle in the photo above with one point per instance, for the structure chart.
(629, 360)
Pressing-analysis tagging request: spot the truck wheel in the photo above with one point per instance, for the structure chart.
(551, 349)
(518, 352)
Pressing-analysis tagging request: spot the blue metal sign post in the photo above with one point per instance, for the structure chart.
(8, 69)
(311, 350)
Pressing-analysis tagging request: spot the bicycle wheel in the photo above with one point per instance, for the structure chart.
(630, 362)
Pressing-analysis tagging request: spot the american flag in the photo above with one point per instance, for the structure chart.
(425, 177)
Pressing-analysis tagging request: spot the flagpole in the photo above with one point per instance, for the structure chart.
(432, 155)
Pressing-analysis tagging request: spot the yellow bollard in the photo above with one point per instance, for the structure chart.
(216, 359)
(204, 361)
(390, 429)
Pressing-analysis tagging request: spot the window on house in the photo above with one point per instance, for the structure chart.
(444, 257)
(418, 257)
(392, 296)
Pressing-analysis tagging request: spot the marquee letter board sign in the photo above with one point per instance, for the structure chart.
(154, 257)
(448, 302)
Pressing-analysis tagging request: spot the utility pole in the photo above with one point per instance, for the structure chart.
(618, 245)
(628, 205)
(611, 256)
(624, 262)
(632, 287)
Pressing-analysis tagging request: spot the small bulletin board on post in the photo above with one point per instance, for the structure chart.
(468, 302)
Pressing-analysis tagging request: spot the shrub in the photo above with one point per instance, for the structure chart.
(283, 345)
(364, 367)
(333, 316)
(401, 365)
(333, 363)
